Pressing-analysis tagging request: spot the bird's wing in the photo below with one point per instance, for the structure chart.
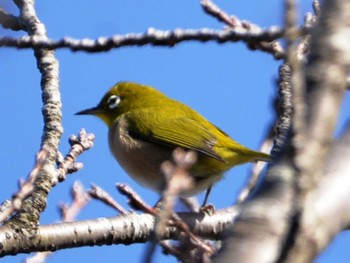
(174, 131)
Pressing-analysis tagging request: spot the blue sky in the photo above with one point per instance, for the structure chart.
(230, 85)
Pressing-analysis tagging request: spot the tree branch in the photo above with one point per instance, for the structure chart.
(78, 144)
(330, 213)
(320, 100)
(232, 22)
(27, 218)
(152, 37)
(10, 21)
(123, 229)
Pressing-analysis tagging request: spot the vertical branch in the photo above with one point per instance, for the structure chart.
(314, 121)
(326, 74)
(28, 216)
(269, 215)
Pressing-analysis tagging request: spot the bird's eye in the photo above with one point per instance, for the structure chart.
(113, 101)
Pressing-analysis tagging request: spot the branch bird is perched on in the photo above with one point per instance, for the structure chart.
(145, 126)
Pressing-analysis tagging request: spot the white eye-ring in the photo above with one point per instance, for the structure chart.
(113, 102)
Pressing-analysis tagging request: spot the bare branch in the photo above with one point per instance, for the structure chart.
(80, 200)
(28, 216)
(78, 145)
(329, 213)
(324, 90)
(124, 229)
(25, 190)
(284, 109)
(68, 214)
(213, 10)
(153, 37)
(178, 180)
(317, 101)
(100, 194)
(10, 21)
(135, 201)
(267, 218)
(233, 22)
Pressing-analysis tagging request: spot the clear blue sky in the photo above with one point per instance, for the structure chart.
(230, 85)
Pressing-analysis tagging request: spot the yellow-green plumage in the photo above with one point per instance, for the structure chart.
(145, 126)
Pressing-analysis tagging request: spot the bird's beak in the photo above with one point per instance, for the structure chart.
(98, 112)
(92, 111)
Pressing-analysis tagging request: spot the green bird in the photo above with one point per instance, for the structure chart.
(145, 126)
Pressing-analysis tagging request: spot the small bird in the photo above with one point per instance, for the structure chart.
(145, 126)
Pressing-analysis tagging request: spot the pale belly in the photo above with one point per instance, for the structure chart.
(142, 160)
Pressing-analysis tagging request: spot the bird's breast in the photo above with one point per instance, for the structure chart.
(139, 158)
(142, 160)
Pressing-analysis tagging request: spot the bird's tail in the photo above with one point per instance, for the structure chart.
(260, 156)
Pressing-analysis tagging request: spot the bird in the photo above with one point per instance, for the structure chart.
(145, 126)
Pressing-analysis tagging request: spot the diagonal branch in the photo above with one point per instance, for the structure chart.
(10, 21)
(233, 22)
(330, 213)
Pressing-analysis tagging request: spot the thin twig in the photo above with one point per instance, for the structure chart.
(213, 10)
(233, 22)
(178, 180)
(100, 194)
(80, 199)
(83, 142)
(135, 201)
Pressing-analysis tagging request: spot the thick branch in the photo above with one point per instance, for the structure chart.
(325, 85)
(28, 216)
(259, 232)
(330, 213)
(124, 229)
